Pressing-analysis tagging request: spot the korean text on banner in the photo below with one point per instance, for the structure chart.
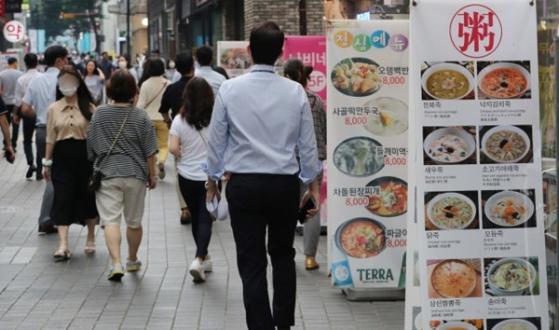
(477, 161)
(367, 79)
(311, 50)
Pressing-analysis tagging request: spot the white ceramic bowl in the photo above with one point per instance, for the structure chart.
(455, 324)
(512, 194)
(451, 194)
(500, 292)
(505, 65)
(525, 323)
(460, 132)
(514, 129)
(447, 66)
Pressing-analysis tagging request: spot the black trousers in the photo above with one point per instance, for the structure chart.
(28, 131)
(194, 194)
(258, 202)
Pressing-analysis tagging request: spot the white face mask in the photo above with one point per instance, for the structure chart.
(123, 65)
(68, 90)
(171, 65)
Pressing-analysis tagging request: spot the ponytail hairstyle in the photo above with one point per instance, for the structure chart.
(295, 70)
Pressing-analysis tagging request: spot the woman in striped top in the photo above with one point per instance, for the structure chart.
(121, 140)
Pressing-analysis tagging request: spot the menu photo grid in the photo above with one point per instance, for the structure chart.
(481, 80)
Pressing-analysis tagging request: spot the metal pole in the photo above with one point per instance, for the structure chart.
(128, 48)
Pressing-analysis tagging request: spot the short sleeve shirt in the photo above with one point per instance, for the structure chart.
(65, 121)
(193, 147)
(136, 143)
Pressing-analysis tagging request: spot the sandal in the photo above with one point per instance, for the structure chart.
(89, 248)
(62, 255)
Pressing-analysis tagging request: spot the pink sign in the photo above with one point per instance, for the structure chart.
(312, 51)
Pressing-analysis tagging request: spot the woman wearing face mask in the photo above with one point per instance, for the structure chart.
(95, 81)
(171, 73)
(66, 162)
(124, 64)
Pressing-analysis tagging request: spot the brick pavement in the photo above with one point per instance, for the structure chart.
(36, 293)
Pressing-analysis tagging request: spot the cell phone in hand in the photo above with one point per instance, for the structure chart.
(309, 205)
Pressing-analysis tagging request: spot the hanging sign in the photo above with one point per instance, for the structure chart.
(477, 165)
(311, 50)
(14, 31)
(367, 79)
(233, 56)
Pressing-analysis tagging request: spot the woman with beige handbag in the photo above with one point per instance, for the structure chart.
(151, 92)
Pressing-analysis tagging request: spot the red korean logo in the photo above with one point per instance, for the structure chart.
(476, 31)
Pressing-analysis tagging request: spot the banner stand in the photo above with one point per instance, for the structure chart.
(374, 294)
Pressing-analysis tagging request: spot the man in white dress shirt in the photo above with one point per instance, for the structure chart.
(204, 57)
(258, 122)
(22, 85)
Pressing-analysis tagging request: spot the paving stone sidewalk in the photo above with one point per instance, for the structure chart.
(36, 293)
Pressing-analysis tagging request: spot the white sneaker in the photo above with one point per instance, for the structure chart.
(133, 266)
(197, 271)
(207, 264)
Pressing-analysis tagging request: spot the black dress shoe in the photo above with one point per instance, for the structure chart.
(39, 176)
(47, 229)
(30, 172)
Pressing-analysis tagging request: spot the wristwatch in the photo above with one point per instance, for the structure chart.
(47, 162)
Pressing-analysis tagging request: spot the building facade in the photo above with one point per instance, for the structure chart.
(176, 25)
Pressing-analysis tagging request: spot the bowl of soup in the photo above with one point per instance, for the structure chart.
(514, 324)
(361, 238)
(447, 81)
(456, 325)
(451, 211)
(504, 81)
(505, 144)
(449, 145)
(511, 277)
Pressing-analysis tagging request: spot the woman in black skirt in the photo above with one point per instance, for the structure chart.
(66, 162)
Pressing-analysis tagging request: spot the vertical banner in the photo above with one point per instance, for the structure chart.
(367, 152)
(233, 57)
(477, 160)
(312, 51)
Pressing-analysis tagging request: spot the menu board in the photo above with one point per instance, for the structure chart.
(477, 165)
(367, 152)
(233, 56)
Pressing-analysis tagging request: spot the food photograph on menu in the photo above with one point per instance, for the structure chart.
(506, 144)
(511, 276)
(389, 198)
(389, 116)
(504, 80)
(456, 325)
(361, 238)
(508, 209)
(454, 278)
(357, 76)
(448, 81)
(449, 145)
(359, 156)
(451, 210)
(530, 323)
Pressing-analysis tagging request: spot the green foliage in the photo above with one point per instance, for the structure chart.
(45, 14)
